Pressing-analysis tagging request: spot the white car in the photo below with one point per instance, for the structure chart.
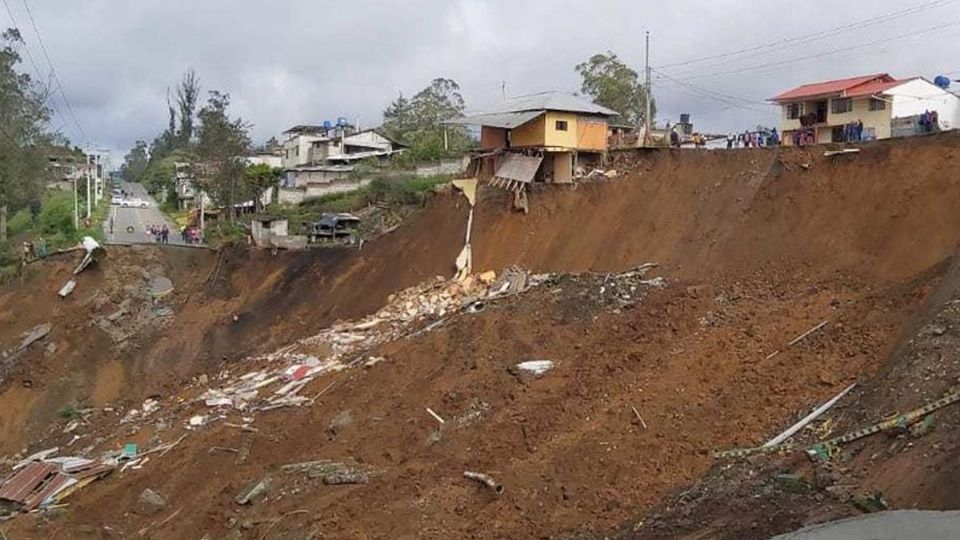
(135, 203)
(116, 200)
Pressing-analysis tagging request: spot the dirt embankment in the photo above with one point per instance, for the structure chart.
(756, 246)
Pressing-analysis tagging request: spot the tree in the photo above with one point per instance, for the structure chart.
(221, 144)
(612, 84)
(260, 178)
(419, 122)
(187, 94)
(135, 162)
(23, 132)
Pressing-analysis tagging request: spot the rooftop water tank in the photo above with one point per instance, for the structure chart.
(327, 124)
(341, 122)
(942, 81)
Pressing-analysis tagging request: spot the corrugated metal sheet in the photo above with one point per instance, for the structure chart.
(840, 86)
(518, 167)
(19, 488)
(507, 120)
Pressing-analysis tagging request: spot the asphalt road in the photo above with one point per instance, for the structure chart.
(137, 220)
(893, 525)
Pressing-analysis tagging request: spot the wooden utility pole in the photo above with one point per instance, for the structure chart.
(649, 95)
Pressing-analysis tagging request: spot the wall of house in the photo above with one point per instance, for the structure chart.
(878, 120)
(533, 133)
(290, 195)
(561, 139)
(918, 96)
(591, 133)
(315, 190)
(492, 138)
(296, 150)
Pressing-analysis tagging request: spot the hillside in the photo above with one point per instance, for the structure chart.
(653, 369)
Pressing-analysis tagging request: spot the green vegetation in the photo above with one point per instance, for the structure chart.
(390, 193)
(612, 84)
(418, 123)
(68, 412)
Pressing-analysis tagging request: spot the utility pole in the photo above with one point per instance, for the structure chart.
(89, 198)
(76, 205)
(503, 89)
(646, 118)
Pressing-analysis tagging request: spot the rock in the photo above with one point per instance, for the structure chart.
(253, 491)
(488, 277)
(340, 421)
(152, 498)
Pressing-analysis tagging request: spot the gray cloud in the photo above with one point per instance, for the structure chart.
(291, 61)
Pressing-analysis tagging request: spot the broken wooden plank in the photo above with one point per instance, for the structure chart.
(807, 419)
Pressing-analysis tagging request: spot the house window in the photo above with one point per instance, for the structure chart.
(842, 105)
(877, 104)
(561, 125)
(794, 110)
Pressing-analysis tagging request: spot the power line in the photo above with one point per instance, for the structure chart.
(730, 101)
(777, 45)
(788, 61)
(36, 69)
(53, 71)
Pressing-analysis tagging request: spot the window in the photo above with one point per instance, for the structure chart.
(794, 110)
(842, 105)
(561, 125)
(877, 104)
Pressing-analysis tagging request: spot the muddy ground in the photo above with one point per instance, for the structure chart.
(755, 248)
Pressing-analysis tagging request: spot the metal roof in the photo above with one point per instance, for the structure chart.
(507, 120)
(550, 101)
(519, 167)
(840, 86)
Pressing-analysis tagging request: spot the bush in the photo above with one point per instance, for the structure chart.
(56, 217)
(20, 222)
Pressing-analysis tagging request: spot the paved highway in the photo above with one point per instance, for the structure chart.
(130, 224)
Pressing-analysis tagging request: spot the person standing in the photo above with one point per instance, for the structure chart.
(730, 141)
(165, 234)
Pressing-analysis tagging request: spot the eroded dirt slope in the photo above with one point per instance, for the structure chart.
(756, 247)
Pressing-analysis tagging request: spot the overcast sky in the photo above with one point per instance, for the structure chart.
(297, 61)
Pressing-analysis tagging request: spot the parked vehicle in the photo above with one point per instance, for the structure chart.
(134, 203)
(116, 199)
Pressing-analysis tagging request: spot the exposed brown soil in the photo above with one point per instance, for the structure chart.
(756, 247)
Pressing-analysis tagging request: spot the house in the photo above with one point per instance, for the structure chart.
(65, 166)
(821, 111)
(540, 137)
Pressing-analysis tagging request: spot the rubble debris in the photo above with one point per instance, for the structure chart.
(333, 472)
(807, 419)
(639, 418)
(536, 367)
(34, 334)
(831, 153)
(486, 480)
(129, 451)
(334, 479)
(67, 289)
(42, 481)
(93, 249)
(870, 503)
(253, 491)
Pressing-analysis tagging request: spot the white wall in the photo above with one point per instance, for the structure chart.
(917, 96)
(265, 159)
(296, 150)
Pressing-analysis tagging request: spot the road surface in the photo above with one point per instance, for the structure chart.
(893, 525)
(137, 220)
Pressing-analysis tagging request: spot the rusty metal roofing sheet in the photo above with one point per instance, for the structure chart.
(519, 167)
(52, 486)
(19, 487)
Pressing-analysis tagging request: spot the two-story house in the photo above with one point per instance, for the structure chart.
(824, 110)
(540, 137)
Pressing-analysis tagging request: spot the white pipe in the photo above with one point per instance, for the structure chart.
(807, 419)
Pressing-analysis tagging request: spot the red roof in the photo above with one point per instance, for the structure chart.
(854, 86)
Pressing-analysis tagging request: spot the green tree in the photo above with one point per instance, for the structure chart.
(260, 178)
(419, 122)
(23, 132)
(611, 83)
(135, 162)
(188, 92)
(221, 143)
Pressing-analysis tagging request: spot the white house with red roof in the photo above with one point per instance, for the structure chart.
(825, 108)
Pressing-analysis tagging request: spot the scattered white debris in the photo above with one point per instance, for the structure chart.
(537, 367)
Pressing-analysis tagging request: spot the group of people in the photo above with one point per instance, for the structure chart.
(753, 139)
(929, 121)
(160, 233)
(191, 235)
(853, 132)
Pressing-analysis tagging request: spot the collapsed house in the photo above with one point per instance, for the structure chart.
(545, 137)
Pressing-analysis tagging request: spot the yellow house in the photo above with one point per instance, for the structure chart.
(823, 112)
(540, 137)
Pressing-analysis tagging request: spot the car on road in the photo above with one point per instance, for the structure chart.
(116, 199)
(134, 203)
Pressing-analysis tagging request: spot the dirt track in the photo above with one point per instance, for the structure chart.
(756, 247)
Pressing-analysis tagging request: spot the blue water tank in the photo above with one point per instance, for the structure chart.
(942, 81)
(341, 122)
(327, 124)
